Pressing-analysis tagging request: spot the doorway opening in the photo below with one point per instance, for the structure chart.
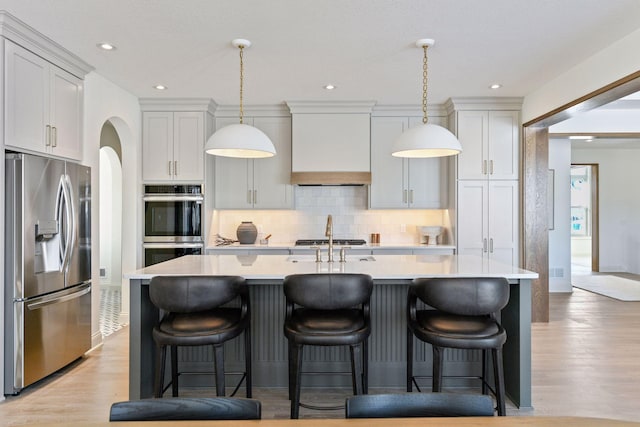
(110, 202)
(584, 219)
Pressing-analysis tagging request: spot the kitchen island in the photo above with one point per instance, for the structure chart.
(387, 359)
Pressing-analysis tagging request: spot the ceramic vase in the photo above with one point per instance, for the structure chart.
(247, 233)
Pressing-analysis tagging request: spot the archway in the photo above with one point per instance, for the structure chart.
(110, 194)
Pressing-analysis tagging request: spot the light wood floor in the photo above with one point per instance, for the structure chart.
(586, 362)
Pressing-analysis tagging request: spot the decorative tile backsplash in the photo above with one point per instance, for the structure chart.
(351, 218)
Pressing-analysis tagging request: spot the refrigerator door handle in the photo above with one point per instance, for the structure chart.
(71, 209)
(45, 301)
(60, 221)
(65, 221)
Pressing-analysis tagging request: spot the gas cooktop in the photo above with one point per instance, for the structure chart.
(314, 242)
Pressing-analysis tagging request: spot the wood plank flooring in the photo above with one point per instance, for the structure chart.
(586, 362)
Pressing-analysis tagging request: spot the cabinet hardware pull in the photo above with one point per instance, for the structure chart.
(54, 136)
(410, 197)
(484, 245)
(255, 196)
(491, 245)
(249, 196)
(491, 167)
(484, 167)
(47, 136)
(175, 167)
(404, 196)
(169, 167)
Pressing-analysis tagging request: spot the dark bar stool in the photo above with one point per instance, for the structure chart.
(327, 310)
(194, 316)
(465, 318)
(404, 405)
(185, 408)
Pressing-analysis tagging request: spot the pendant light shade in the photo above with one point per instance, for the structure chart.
(240, 140)
(426, 140)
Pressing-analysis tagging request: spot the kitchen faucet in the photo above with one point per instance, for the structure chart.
(329, 233)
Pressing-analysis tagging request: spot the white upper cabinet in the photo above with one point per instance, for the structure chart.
(173, 145)
(490, 144)
(400, 182)
(256, 183)
(43, 105)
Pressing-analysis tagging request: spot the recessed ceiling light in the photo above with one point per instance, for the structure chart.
(495, 86)
(160, 87)
(106, 46)
(329, 87)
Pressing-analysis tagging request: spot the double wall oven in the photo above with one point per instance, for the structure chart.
(172, 222)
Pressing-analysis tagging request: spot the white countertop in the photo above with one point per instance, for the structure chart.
(368, 246)
(383, 267)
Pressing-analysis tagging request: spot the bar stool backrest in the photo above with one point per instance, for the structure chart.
(468, 296)
(404, 405)
(179, 408)
(188, 294)
(327, 291)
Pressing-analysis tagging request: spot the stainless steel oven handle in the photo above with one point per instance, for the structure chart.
(173, 198)
(171, 245)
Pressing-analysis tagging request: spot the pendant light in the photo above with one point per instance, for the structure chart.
(426, 140)
(240, 140)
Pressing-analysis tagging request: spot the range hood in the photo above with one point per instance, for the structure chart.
(331, 142)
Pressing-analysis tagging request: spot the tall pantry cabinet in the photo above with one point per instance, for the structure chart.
(488, 183)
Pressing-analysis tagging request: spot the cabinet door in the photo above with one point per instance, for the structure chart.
(26, 88)
(388, 187)
(272, 176)
(503, 144)
(233, 177)
(503, 221)
(157, 146)
(473, 217)
(473, 134)
(426, 177)
(65, 114)
(188, 146)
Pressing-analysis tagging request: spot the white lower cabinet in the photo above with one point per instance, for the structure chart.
(257, 183)
(399, 182)
(488, 219)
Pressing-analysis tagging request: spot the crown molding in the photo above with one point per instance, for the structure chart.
(330, 107)
(178, 104)
(483, 103)
(29, 38)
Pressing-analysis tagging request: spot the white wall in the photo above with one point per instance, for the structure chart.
(110, 217)
(604, 67)
(560, 236)
(619, 205)
(104, 101)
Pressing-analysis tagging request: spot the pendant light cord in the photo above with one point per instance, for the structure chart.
(241, 80)
(424, 85)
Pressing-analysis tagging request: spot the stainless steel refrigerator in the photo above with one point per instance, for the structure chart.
(47, 281)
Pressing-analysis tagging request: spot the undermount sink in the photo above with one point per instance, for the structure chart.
(348, 258)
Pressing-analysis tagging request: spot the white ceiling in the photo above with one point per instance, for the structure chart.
(364, 47)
